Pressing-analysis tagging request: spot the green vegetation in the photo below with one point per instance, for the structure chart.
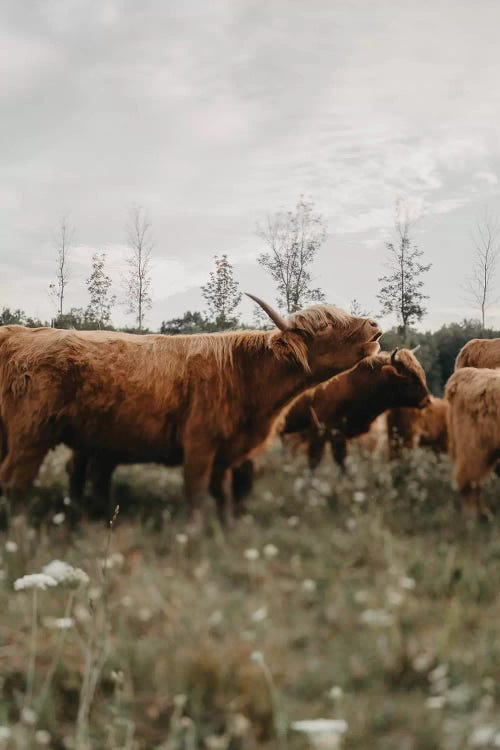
(363, 597)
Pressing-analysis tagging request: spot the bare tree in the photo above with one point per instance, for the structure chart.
(63, 239)
(402, 290)
(138, 278)
(293, 239)
(480, 286)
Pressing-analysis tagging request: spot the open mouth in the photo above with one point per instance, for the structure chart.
(376, 336)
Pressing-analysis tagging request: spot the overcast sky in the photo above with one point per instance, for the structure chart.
(211, 114)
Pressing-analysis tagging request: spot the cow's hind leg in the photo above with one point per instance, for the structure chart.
(100, 472)
(221, 489)
(242, 484)
(339, 450)
(470, 490)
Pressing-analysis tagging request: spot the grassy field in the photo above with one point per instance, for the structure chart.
(365, 598)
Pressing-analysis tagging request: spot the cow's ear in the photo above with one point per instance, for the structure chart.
(291, 346)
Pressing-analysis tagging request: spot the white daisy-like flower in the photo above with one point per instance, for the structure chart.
(359, 496)
(10, 546)
(252, 554)
(182, 539)
(35, 581)
(63, 623)
(309, 585)
(407, 583)
(58, 518)
(270, 551)
(28, 716)
(65, 573)
(42, 737)
(482, 736)
(5, 733)
(259, 615)
(335, 693)
(323, 734)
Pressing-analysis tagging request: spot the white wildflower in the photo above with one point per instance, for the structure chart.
(407, 583)
(259, 615)
(145, 614)
(252, 554)
(10, 546)
(394, 598)
(482, 736)
(257, 657)
(182, 539)
(215, 618)
(239, 725)
(359, 496)
(58, 518)
(217, 742)
(65, 573)
(438, 673)
(435, 702)
(35, 581)
(113, 561)
(309, 585)
(270, 551)
(351, 524)
(42, 737)
(422, 662)
(63, 623)
(28, 716)
(323, 734)
(5, 733)
(67, 501)
(376, 618)
(293, 521)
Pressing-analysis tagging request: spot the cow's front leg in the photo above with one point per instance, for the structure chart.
(198, 464)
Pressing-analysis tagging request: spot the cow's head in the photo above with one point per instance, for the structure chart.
(405, 379)
(322, 340)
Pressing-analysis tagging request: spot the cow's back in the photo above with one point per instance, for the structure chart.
(479, 353)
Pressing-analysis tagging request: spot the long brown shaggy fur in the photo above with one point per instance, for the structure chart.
(479, 353)
(346, 405)
(204, 401)
(473, 428)
(409, 428)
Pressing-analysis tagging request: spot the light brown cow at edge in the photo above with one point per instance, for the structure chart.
(204, 401)
(479, 353)
(473, 431)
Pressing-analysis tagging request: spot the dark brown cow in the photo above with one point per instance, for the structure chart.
(479, 353)
(345, 406)
(206, 402)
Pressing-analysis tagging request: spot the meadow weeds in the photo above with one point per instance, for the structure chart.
(363, 601)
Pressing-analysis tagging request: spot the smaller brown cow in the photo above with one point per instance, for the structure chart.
(408, 428)
(474, 431)
(345, 406)
(479, 353)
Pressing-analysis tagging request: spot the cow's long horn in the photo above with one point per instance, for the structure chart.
(415, 349)
(394, 356)
(280, 322)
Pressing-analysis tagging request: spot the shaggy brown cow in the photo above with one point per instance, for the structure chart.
(346, 405)
(479, 353)
(204, 401)
(408, 428)
(473, 431)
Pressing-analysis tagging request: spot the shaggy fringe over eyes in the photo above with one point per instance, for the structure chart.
(315, 318)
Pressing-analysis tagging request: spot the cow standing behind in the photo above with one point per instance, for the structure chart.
(479, 353)
(345, 406)
(206, 401)
(473, 431)
(408, 428)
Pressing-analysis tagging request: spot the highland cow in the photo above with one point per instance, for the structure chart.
(479, 353)
(473, 431)
(206, 402)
